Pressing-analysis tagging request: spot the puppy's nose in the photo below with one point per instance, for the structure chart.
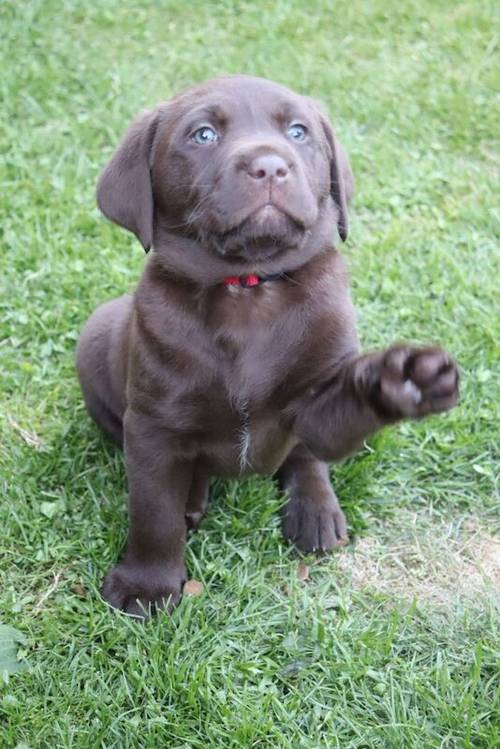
(268, 165)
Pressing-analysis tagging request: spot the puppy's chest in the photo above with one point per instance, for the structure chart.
(250, 437)
(247, 433)
(252, 360)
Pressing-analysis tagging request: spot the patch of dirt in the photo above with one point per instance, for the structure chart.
(433, 562)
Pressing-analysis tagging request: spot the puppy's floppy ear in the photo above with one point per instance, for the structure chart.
(124, 192)
(341, 177)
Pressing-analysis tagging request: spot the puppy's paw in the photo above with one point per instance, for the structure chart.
(143, 590)
(414, 382)
(193, 520)
(314, 526)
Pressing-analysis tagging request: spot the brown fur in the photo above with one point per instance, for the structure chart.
(197, 379)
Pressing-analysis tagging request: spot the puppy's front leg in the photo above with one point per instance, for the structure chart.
(364, 394)
(312, 517)
(371, 391)
(152, 572)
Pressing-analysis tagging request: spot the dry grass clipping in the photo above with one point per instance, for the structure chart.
(435, 563)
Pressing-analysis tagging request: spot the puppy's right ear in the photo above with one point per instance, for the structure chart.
(124, 192)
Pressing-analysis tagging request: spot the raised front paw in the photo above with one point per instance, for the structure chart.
(313, 525)
(414, 382)
(143, 590)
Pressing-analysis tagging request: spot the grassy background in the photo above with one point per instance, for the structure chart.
(261, 659)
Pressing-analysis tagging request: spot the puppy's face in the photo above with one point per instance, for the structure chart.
(241, 165)
(244, 168)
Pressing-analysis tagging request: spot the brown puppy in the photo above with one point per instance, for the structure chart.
(238, 352)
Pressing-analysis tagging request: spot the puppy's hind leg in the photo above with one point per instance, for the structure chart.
(109, 422)
(101, 363)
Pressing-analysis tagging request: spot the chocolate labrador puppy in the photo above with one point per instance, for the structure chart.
(238, 352)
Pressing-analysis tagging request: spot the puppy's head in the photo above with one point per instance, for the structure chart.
(245, 167)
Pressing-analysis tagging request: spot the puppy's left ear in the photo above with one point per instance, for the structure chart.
(341, 177)
(124, 191)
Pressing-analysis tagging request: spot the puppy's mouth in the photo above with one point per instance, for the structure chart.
(266, 231)
(269, 219)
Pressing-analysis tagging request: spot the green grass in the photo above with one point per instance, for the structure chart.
(261, 659)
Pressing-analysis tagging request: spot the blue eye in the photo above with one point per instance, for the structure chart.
(297, 131)
(204, 135)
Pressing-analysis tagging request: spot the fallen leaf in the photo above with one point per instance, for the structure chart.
(79, 590)
(303, 571)
(193, 588)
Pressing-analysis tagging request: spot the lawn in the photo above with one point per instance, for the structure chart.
(391, 642)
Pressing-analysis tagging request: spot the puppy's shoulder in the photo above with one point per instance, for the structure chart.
(325, 276)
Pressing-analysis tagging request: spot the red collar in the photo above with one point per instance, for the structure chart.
(251, 280)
